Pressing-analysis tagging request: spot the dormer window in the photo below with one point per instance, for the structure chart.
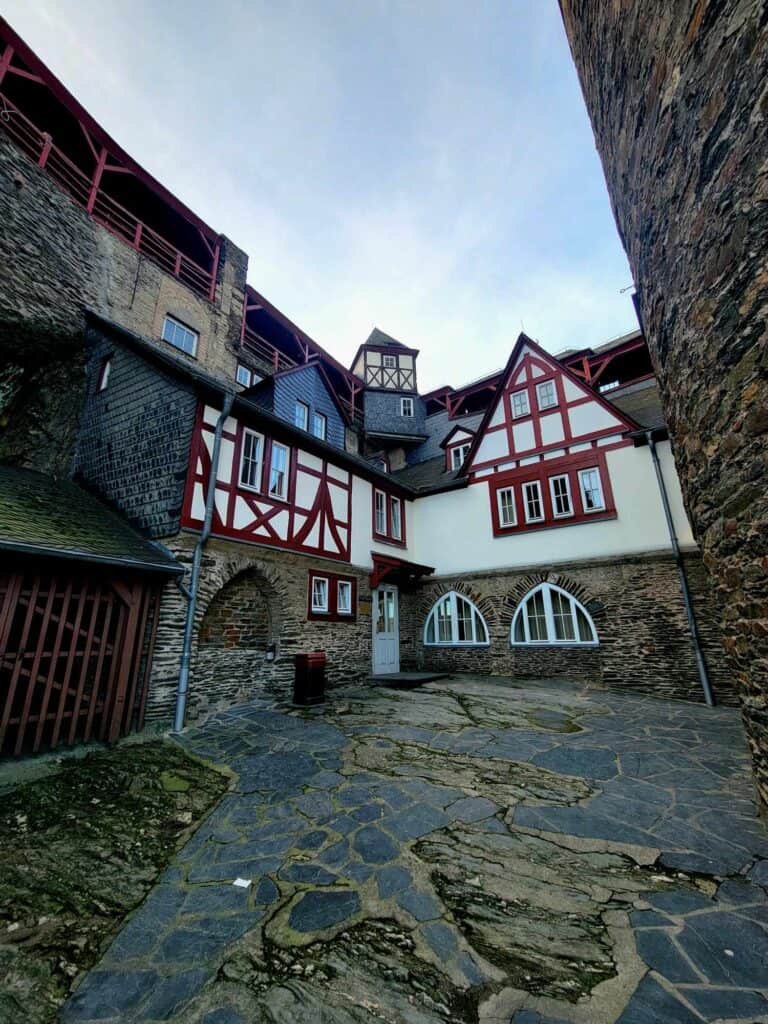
(301, 415)
(319, 425)
(104, 371)
(406, 407)
(520, 405)
(390, 362)
(546, 394)
(458, 454)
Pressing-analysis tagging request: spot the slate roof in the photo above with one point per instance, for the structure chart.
(428, 475)
(377, 337)
(641, 401)
(43, 516)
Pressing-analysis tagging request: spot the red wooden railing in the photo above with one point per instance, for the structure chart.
(254, 343)
(104, 209)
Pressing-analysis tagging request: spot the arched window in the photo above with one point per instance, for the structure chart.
(549, 615)
(454, 621)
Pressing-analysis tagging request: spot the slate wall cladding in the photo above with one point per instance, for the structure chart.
(306, 385)
(637, 608)
(277, 581)
(134, 438)
(438, 426)
(382, 413)
(676, 95)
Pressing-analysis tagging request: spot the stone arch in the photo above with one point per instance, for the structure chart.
(432, 592)
(527, 583)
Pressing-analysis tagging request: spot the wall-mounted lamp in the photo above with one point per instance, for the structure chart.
(271, 652)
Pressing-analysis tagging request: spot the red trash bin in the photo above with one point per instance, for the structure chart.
(309, 679)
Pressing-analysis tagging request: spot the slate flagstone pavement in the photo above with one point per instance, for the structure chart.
(532, 854)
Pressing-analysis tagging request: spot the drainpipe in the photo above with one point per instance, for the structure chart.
(197, 558)
(700, 663)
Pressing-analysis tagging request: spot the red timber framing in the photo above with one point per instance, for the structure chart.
(48, 124)
(270, 336)
(75, 656)
(314, 518)
(396, 570)
(593, 366)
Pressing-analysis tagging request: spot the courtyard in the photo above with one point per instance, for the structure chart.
(473, 850)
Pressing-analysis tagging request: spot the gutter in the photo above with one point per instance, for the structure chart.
(701, 665)
(169, 568)
(190, 593)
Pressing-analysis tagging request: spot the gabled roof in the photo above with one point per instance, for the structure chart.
(458, 428)
(378, 339)
(54, 518)
(266, 386)
(523, 341)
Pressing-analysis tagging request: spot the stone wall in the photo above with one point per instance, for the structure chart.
(677, 97)
(637, 608)
(229, 660)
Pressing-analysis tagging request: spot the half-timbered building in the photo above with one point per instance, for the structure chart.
(527, 524)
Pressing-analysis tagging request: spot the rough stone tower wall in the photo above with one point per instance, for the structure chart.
(678, 97)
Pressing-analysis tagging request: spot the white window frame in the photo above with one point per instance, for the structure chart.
(105, 369)
(259, 461)
(583, 490)
(301, 415)
(397, 530)
(523, 393)
(459, 453)
(537, 485)
(389, 362)
(177, 325)
(347, 585)
(551, 641)
(506, 490)
(453, 598)
(407, 403)
(282, 494)
(321, 608)
(243, 372)
(546, 384)
(380, 507)
(555, 513)
(322, 419)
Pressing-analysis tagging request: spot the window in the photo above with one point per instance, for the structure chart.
(104, 371)
(547, 394)
(381, 512)
(243, 375)
(520, 405)
(179, 336)
(344, 597)
(591, 490)
(278, 472)
(389, 362)
(458, 454)
(397, 525)
(455, 621)
(319, 594)
(534, 511)
(505, 498)
(319, 425)
(560, 492)
(550, 615)
(250, 460)
(406, 407)
(301, 415)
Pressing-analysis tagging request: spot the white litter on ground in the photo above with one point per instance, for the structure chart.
(242, 883)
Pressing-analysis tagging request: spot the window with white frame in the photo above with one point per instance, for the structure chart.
(560, 492)
(319, 425)
(104, 371)
(458, 454)
(550, 615)
(250, 460)
(180, 336)
(397, 522)
(319, 594)
(390, 362)
(301, 415)
(546, 394)
(455, 621)
(380, 518)
(278, 471)
(243, 375)
(532, 504)
(520, 404)
(505, 499)
(591, 490)
(406, 407)
(344, 597)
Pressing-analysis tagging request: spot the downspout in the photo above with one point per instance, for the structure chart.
(700, 663)
(197, 558)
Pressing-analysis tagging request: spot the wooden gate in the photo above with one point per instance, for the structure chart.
(75, 654)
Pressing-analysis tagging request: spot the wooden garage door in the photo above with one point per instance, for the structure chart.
(75, 653)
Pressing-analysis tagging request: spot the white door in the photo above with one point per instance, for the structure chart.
(386, 631)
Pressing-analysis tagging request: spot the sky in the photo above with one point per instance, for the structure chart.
(423, 166)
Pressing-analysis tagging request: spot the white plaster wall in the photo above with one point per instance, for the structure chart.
(453, 532)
